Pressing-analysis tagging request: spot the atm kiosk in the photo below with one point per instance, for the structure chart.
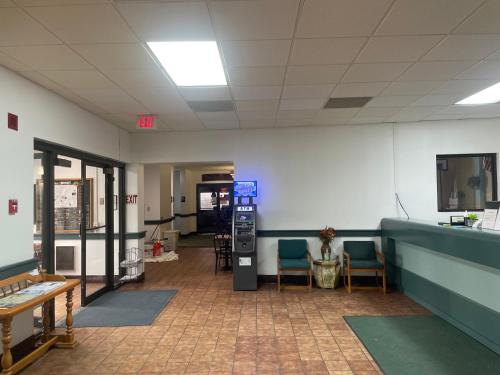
(244, 236)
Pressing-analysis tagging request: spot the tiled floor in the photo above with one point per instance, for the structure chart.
(210, 329)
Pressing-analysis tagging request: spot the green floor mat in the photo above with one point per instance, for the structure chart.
(423, 345)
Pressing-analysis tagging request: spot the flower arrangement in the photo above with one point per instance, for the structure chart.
(327, 234)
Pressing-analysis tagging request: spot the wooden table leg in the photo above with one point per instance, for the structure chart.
(6, 339)
(46, 321)
(68, 339)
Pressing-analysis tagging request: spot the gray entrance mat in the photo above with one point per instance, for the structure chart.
(128, 308)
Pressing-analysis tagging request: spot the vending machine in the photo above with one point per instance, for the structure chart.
(245, 236)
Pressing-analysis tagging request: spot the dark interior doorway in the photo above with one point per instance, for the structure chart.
(214, 207)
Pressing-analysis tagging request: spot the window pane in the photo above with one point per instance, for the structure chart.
(465, 182)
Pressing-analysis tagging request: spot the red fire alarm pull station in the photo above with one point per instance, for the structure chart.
(13, 122)
(13, 206)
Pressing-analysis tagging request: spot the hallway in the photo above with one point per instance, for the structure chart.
(209, 329)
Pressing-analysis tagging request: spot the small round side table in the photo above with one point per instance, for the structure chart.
(326, 273)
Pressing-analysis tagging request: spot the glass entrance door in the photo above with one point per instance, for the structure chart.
(98, 233)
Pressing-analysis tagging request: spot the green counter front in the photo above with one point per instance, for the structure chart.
(454, 272)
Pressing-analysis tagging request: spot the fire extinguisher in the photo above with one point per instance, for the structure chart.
(157, 248)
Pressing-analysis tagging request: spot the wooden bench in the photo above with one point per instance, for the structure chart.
(22, 282)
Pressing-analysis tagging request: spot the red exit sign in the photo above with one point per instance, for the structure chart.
(146, 122)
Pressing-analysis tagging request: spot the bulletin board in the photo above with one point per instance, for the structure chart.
(67, 204)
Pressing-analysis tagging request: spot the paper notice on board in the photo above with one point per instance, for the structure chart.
(497, 223)
(489, 218)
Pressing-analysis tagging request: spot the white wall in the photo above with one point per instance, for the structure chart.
(44, 115)
(307, 178)
(47, 116)
(415, 154)
(344, 176)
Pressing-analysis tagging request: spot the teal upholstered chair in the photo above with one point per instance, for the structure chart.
(361, 256)
(294, 255)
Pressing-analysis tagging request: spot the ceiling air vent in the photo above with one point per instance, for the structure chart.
(212, 106)
(355, 102)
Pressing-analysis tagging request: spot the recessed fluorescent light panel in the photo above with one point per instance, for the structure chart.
(489, 95)
(191, 63)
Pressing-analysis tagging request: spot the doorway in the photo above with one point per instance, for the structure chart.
(214, 206)
(79, 218)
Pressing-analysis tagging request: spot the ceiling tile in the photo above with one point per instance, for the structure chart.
(221, 125)
(79, 79)
(488, 69)
(483, 21)
(217, 116)
(256, 115)
(378, 111)
(325, 51)
(292, 122)
(392, 101)
(84, 23)
(256, 53)
(494, 56)
(52, 57)
(256, 92)
(330, 18)
(411, 88)
(375, 72)
(160, 100)
(257, 105)
(299, 104)
(464, 47)
(360, 120)
(415, 113)
(397, 48)
(410, 17)
(43, 81)
(205, 93)
(112, 100)
(296, 115)
(435, 71)
(135, 79)
(325, 115)
(348, 90)
(303, 92)
(260, 124)
(6, 4)
(186, 126)
(244, 20)
(12, 64)
(30, 3)
(434, 100)
(256, 75)
(314, 74)
(17, 28)
(463, 87)
(155, 21)
(116, 56)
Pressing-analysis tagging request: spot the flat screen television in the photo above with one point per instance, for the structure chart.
(245, 188)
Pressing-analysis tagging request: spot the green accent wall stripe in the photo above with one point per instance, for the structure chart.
(473, 245)
(315, 233)
(478, 321)
(94, 236)
(168, 220)
(17, 268)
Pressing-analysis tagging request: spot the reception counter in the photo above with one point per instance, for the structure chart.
(453, 271)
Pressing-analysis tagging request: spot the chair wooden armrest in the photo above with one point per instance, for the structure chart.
(381, 256)
(346, 258)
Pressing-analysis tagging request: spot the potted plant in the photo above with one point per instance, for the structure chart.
(471, 219)
(326, 236)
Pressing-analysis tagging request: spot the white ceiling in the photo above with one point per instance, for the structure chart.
(283, 58)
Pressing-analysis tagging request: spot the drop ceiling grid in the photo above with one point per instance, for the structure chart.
(470, 22)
